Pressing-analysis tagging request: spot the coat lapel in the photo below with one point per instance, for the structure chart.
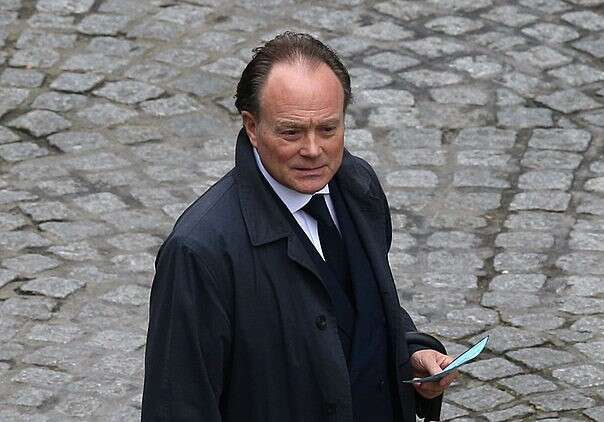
(264, 220)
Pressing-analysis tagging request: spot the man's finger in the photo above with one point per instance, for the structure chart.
(448, 379)
(427, 390)
(432, 366)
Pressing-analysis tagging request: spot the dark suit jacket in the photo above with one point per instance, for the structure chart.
(237, 315)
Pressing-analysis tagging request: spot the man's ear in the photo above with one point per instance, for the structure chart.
(251, 126)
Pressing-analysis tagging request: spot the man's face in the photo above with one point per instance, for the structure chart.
(299, 134)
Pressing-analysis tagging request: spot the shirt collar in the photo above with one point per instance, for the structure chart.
(293, 200)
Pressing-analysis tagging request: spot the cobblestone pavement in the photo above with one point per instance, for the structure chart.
(484, 119)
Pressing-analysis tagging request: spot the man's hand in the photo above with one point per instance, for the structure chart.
(430, 362)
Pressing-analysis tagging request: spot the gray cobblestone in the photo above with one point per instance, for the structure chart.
(482, 118)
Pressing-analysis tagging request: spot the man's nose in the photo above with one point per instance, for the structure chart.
(312, 147)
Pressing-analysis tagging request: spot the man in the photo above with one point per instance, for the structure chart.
(273, 299)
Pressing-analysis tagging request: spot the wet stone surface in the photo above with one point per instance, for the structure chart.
(483, 119)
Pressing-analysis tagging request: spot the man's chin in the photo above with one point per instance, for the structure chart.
(309, 187)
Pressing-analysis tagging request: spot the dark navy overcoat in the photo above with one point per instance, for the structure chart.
(233, 333)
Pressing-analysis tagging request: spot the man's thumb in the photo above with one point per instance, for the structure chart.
(433, 367)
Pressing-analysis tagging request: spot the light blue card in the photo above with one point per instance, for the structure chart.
(462, 359)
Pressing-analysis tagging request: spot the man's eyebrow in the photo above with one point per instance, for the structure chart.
(329, 122)
(291, 123)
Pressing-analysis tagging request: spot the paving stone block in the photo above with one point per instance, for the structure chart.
(460, 95)
(596, 413)
(545, 179)
(548, 159)
(560, 139)
(586, 241)
(10, 196)
(578, 74)
(477, 66)
(35, 57)
(98, 24)
(540, 57)
(569, 101)
(6, 276)
(479, 177)
(10, 99)
(15, 241)
(524, 117)
(178, 104)
(76, 82)
(20, 151)
(64, 7)
(585, 19)
(584, 376)
(30, 397)
(582, 305)
(41, 122)
(509, 413)
(481, 398)
(454, 281)
(502, 339)
(59, 102)
(582, 263)
(545, 321)
(390, 61)
(35, 308)
(55, 287)
(94, 62)
(583, 285)
(136, 262)
(526, 85)
(28, 264)
(78, 141)
(588, 324)
(561, 401)
(541, 200)
(540, 358)
(412, 179)
(551, 32)
(41, 377)
(517, 282)
(528, 384)
(418, 156)
(21, 78)
(78, 406)
(509, 300)
(476, 314)
(7, 136)
(429, 78)
(490, 369)
(128, 295)
(383, 31)
(128, 92)
(55, 333)
(99, 203)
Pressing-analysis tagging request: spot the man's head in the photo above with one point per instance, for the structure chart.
(292, 97)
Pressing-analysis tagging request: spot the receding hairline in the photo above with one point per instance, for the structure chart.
(299, 61)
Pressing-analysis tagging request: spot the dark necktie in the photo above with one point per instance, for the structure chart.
(331, 241)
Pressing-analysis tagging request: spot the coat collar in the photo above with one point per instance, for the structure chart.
(263, 218)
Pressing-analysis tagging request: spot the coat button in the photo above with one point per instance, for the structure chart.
(321, 322)
(330, 408)
(381, 383)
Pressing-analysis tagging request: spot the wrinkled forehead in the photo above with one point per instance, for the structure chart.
(301, 87)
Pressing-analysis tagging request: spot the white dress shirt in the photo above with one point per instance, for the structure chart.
(295, 201)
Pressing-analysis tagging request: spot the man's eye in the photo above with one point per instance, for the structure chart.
(329, 129)
(290, 132)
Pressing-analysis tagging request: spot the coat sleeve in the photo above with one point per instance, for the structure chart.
(188, 341)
